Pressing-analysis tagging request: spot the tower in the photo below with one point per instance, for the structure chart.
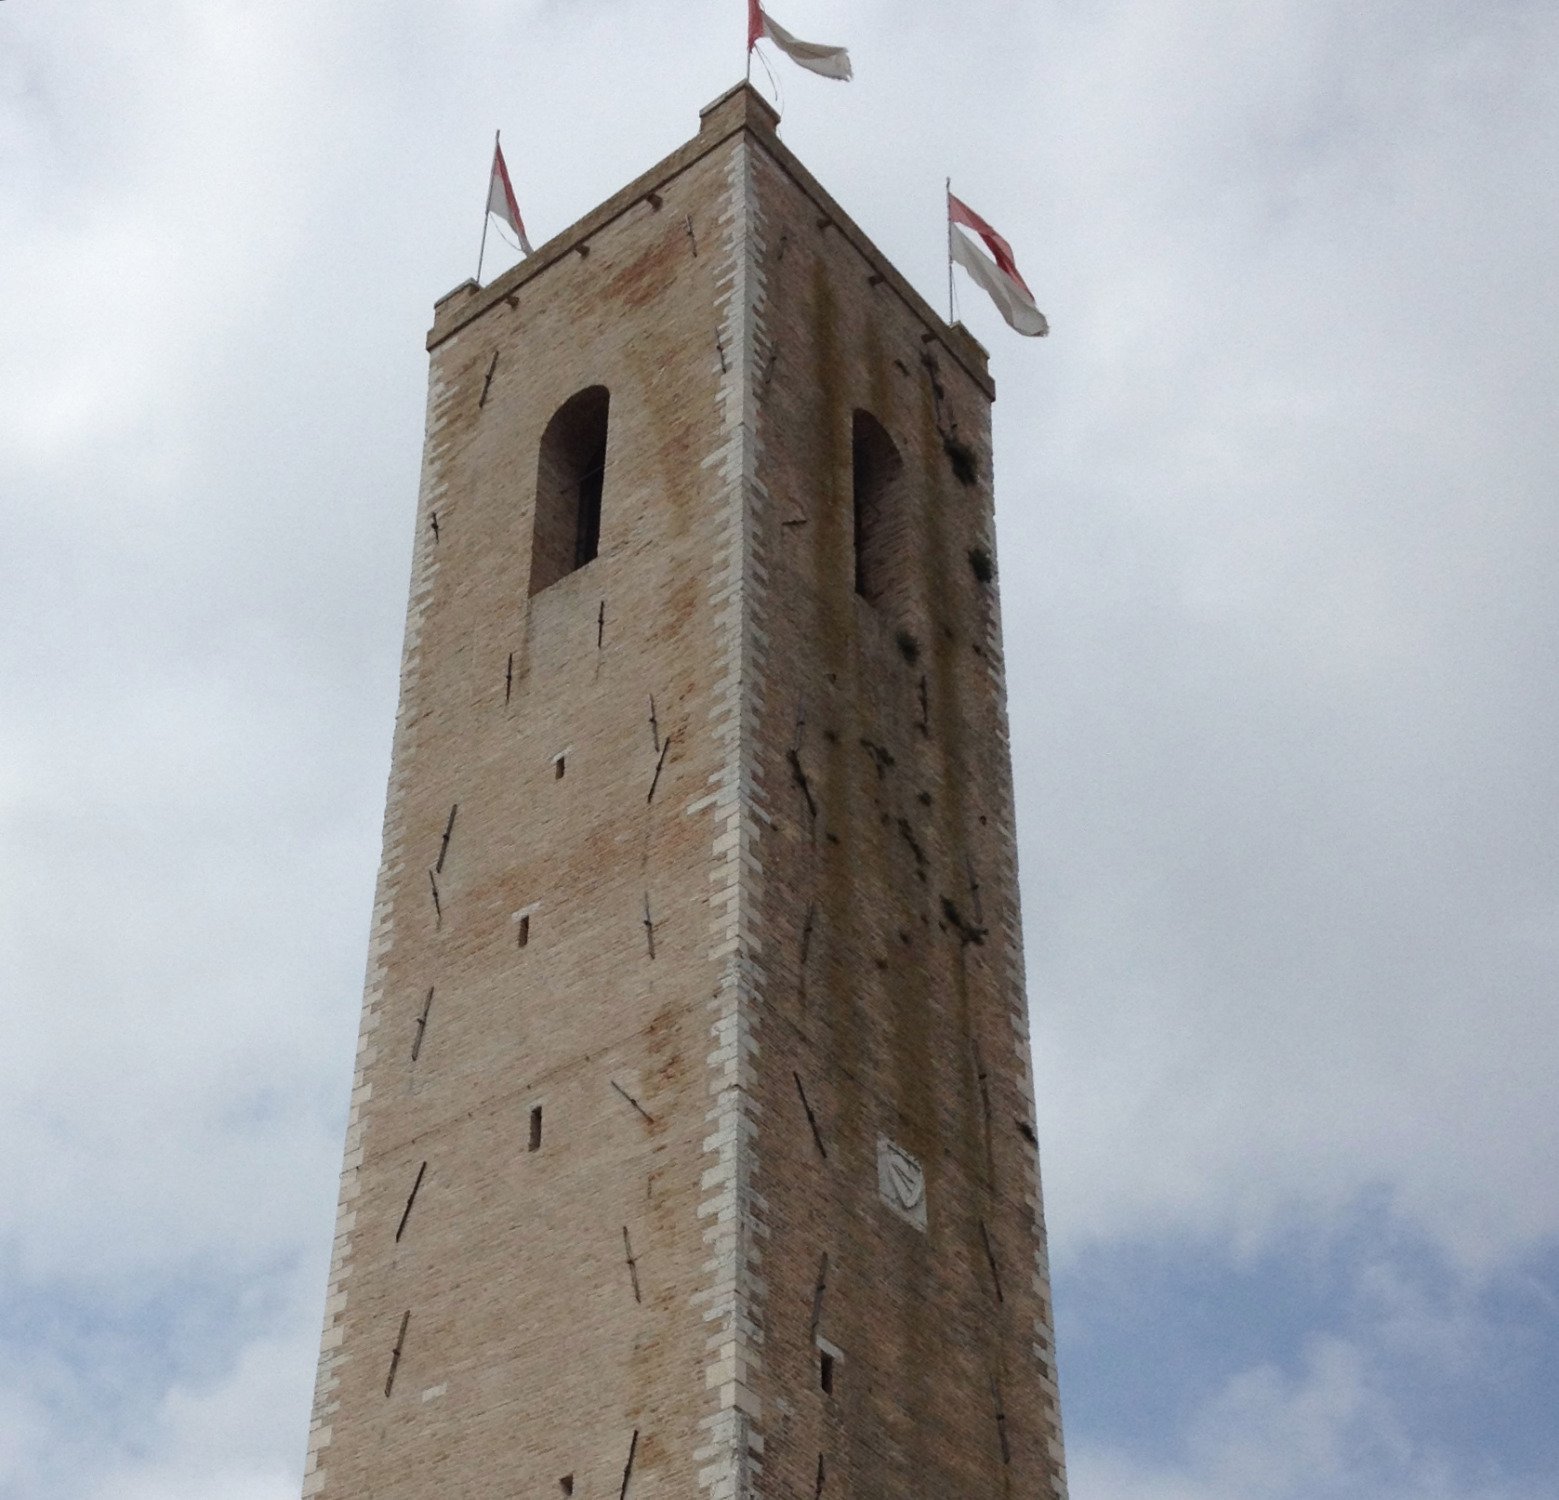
(691, 1148)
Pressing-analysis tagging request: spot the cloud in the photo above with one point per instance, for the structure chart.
(1360, 1361)
(232, 1431)
(1277, 554)
(221, 1442)
(1326, 1431)
(1292, 927)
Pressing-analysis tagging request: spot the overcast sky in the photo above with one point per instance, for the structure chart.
(1279, 554)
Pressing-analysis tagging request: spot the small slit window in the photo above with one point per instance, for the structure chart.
(825, 1371)
(535, 1129)
(881, 564)
(570, 482)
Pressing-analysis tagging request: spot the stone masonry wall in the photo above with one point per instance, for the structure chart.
(893, 1002)
(698, 886)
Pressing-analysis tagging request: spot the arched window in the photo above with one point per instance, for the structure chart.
(880, 531)
(569, 474)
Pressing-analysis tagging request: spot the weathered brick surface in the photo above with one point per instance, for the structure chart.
(828, 869)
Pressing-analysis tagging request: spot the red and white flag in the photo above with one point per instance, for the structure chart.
(997, 272)
(500, 198)
(831, 62)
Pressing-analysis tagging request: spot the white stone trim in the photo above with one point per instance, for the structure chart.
(333, 1355)
(729, 1458)
(1009, 929)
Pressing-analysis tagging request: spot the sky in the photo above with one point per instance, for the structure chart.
(1278, 543)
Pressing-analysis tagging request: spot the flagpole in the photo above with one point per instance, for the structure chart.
(486, 211)
(949, 207)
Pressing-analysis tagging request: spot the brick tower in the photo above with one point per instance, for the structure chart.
(691, 1149)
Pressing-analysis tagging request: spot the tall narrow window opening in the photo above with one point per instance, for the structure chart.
(881, 534)
(587, 537)
(570, 482)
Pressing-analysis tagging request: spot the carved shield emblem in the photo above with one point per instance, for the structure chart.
(908, 1181)
(902, 1182)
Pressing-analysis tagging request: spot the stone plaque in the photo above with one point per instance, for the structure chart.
(902, 1182)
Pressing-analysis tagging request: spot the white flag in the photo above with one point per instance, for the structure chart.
(500, 198)
(831, 62)
(997, 272)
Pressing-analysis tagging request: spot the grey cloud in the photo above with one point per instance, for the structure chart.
(1277, 550)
